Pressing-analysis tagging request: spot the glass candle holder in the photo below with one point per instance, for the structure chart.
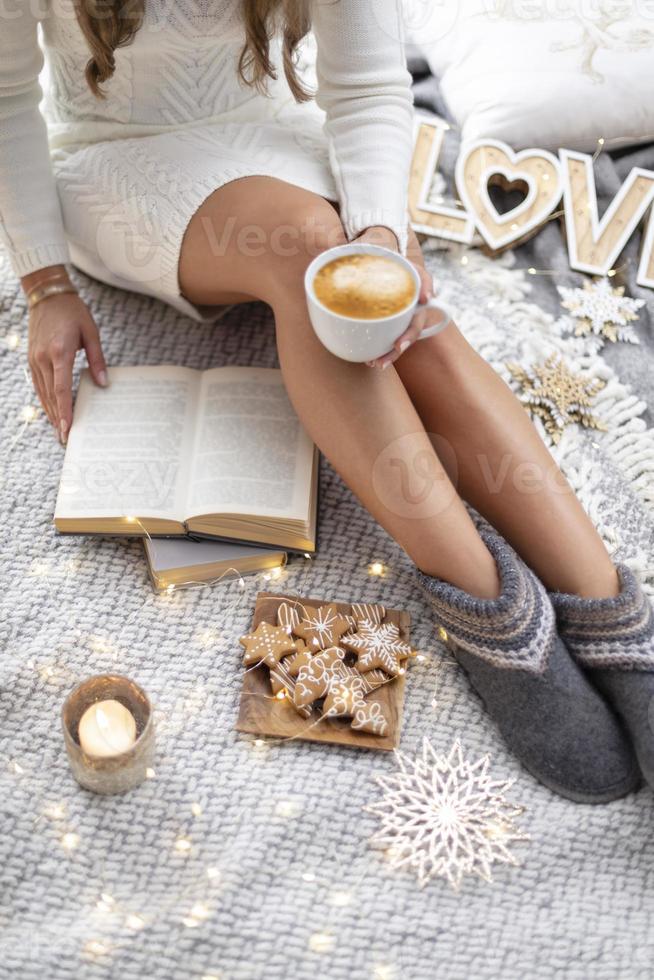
(112, 774)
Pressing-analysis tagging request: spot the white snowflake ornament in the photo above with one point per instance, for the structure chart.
(444, 816)
(602, 312)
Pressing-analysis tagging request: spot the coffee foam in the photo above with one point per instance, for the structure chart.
(366, 287)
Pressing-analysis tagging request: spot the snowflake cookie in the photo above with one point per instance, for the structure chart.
(378, 646)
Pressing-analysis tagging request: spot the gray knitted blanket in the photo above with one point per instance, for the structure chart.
(275, 878)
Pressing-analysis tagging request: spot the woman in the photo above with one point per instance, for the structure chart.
(186, 162)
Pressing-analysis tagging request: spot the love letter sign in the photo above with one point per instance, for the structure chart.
(594, 244)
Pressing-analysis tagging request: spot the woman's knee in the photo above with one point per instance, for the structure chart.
(310, 226)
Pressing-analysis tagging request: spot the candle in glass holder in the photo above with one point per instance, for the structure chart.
(107, 728)
(109, 734)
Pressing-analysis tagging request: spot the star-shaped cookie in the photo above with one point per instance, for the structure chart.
(321, 627)
(267, 645)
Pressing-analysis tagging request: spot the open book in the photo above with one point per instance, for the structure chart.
(171, 451)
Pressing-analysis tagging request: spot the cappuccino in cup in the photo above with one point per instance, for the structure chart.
(367, 287)
(361, 298)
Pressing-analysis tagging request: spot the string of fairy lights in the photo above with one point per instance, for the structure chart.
(195, 905)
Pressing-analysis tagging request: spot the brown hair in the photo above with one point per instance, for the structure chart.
(111, 24)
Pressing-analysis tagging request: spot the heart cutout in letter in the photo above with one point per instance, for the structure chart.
(487, 162)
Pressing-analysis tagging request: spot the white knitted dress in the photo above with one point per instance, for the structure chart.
(113, 183)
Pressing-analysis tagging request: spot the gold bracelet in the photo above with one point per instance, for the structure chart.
(48, 288)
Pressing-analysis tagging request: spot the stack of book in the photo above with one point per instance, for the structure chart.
(211, 468)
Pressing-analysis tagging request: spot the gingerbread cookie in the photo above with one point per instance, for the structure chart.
(366, 612)
(267, 645)
(378, 646)
(321, 627)
(369, 717)
(347, 699)
(288, 616)
(284, 674)
(315, 678)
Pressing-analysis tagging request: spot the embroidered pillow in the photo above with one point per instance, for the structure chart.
(544, 73)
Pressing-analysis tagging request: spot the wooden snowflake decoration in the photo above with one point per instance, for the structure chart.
(443, 816)
(602, 312)
(558, 396)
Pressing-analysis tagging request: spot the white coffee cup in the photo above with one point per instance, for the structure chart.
(357, 340)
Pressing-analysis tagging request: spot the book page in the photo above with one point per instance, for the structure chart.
(251, 454)
(129, 446)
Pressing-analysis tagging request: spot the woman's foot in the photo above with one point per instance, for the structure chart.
(551, 717)
(613, 641)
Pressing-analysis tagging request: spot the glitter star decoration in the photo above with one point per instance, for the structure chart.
(443, 816)
(602, 312)
(558, 396)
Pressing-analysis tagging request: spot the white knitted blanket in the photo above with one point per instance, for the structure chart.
(279, 881)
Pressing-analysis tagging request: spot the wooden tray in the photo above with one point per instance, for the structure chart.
(262, 714)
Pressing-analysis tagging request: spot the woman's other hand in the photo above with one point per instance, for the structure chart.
(387, 238)
(59, 326)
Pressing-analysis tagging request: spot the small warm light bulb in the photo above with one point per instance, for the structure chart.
(169, 589)
(601, 141)
(95, 947)
(29, 413)
(307, 555)
(130, 519)
(18, 769)
(340, 898)
(70, 841)
(531, 271)
(213, 873)
(200, 911)
(12, 341)
(376, 568)
(57, 811)
(276, 572)
(321, 942)
(464, 260)
(150, 773)
(611, 273)
(183, 845)
(135, 922)
(308, 876)
(281, 694)
(288, 808)
(196, 809)
(383, 971)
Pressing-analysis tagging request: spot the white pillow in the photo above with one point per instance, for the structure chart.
(545, 73)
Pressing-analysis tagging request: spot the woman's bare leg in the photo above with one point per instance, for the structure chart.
(503, 467)
(362, 419)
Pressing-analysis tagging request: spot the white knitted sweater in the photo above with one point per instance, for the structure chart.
(179, 71)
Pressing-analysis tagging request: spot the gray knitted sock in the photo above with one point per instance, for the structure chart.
(551, 717)
(613, 640)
